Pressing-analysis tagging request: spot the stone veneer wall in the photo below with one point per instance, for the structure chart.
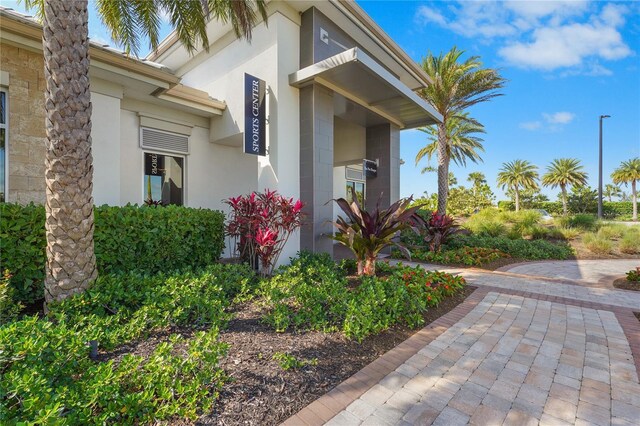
(26, 144)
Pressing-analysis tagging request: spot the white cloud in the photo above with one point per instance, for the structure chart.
(571, 36)
(551, 122)
(531, 125)
(566, 46)
(561, 117)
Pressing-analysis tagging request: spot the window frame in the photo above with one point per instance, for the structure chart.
(5, 126)
(166, 154)
(355, 182)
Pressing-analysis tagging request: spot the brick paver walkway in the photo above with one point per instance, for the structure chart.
(580, 270)
(519, 351)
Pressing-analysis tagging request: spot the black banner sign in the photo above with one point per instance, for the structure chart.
(254, 116)
(370, 168)
(153, 164)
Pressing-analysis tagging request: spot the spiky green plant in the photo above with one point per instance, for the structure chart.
(563, 173)
(629, 172)
(516, 175)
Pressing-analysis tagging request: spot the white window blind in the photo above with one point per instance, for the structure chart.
(164, 141)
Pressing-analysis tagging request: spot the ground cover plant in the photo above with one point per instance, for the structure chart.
(468, 256)
(313, 293)
(49, 377)
(518, 249)
(180, 320)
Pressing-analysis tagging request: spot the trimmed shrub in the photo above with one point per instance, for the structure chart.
(521, 249)
(22, 249)
(145, 239)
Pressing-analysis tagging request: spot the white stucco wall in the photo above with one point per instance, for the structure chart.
(272, 55)
(105, 139)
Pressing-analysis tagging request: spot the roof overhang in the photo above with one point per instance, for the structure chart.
(356, 76)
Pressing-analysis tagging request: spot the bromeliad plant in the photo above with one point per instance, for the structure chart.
(261, 224)
(367, 233)
(437, 229)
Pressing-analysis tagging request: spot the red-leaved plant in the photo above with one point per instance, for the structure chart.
(437, 229)
(261, 224)
(367, 232)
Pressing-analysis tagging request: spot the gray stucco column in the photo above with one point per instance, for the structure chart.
(383, 144)
(316, 167)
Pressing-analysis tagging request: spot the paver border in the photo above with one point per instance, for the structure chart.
(330, 404)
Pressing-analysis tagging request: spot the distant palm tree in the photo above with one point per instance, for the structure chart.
(629, 171)
(564, 172)
(611, 191)
(455, 87)
(71, 262)
(476, 179)
(516, 175)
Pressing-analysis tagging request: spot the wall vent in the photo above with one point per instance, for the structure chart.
(164, 141)
(354, 173)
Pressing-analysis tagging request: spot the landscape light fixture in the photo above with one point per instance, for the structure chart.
(600, 169)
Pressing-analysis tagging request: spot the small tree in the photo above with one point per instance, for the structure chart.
(516, 175)
(564, 172)
(629, 171)
(367, 233)
(261, 224)
(582, 199)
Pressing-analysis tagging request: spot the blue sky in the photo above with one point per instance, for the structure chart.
(567, 63)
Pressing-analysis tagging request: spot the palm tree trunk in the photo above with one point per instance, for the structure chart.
(635, 200)
(517, 193)
(71, 262)
(443, 170)
(564, 199)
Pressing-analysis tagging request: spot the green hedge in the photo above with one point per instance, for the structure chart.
(610, 209)
(146, 239)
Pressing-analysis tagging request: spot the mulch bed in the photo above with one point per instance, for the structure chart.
(262, 393)
(624, 284)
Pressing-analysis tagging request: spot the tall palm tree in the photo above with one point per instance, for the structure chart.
(516, 175)
(71, 262)
(611, 191)
(629, 171)
(464, 144)
(564, 172)
(455, 87)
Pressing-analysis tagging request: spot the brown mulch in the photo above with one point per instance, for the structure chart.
(262, 393)
(624, 284)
